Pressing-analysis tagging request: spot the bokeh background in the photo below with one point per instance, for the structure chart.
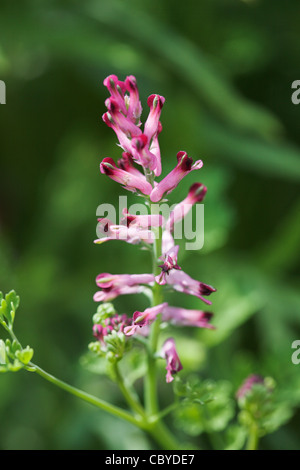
(225, 68)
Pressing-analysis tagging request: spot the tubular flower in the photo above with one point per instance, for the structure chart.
(182, 282)
(173, 362)
(184, 166)
(108, 294)
(113, 285)
(142, 221)
(196, 194)
(134, 110)
(186, 317)
(106, 280)
(132, 234)
(130, 181)
(153, 127)
(145, 318)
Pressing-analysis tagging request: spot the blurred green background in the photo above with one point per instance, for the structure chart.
(225, 68)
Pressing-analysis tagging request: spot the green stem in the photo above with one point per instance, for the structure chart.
(253, 439)
(129, 397)
(151, 400)
(163, 437)
(103, 405)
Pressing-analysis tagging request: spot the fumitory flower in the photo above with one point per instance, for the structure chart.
(142, 221)
(134, 234)
(182, 282)
(196, 194)
(173, 362)
(130, 181)
(113, 285)
(184, 166)
(187, 317)
(145, 318)
(172, 274)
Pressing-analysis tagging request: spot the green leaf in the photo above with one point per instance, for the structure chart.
(206, 407)
(9, 306)
(13, 302)
(262, 407)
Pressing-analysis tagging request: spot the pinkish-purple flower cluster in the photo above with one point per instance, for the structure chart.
(136, 171)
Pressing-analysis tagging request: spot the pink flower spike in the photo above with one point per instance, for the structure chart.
(187, 317)
(134, 107)
(196, 194)
(184, 166)
(145, 318)
(155, 103)
(128, 180)
(182, 282)
(173, 362)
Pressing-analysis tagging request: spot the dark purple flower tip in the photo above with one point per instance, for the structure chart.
(184, 161)
(197, 192)
(205, 289)
(207, 316)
